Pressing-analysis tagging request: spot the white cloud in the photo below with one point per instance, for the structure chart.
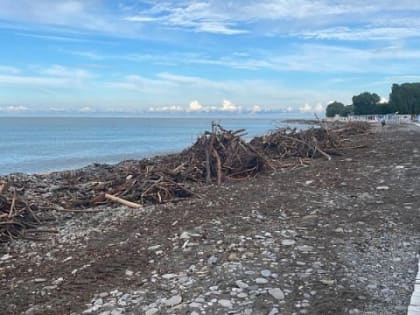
(307, 108)
(55, 76)
(13, 109)
(86, 109)
(256, 108)
(66, 72)
(9, 70)
(195, 106)
(228, 106)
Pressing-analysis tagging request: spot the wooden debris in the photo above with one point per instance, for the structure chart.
(123, 201)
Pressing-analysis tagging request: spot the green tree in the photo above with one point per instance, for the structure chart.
(334, 108)
(405, 98)
(347, 110)
(385, 108)
(365, 103)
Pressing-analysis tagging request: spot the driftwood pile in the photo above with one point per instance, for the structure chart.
(216, 156)
(223, 155)
(16, 216)
(286, 143)
(312, 143)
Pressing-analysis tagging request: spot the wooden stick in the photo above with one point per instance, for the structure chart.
(123, 201)
(12, 206)
(3, 187)
(219, 167)
(208, 174)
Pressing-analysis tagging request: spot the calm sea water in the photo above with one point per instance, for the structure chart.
(39, 145)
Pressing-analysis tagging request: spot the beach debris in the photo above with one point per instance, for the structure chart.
(217, 156)
(123, 201)
(16, 215)
(285, 143)
(222, 154)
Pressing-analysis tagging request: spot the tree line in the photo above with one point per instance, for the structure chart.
(404, 99)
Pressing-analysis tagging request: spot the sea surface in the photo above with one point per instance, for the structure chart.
(40, 145)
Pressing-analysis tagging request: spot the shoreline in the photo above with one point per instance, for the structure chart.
(312, 243)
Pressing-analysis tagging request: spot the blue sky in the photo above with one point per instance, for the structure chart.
(132, 55)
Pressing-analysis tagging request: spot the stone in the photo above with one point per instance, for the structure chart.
(129, 273)
(194, 305)
(168, 276)
(305, 248)
(5, 257)
(261, 281)
(151, 311)
(212, 260)
(241, 284)
(382, 188)
(172, 301)
(153, 248)
(288, 242)
(276, 293)
(266, 273)
(274, 311)
(38, 280)
(34, 310)
(184, 236)
(225, 303)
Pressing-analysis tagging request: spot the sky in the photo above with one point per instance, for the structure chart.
(195, 56)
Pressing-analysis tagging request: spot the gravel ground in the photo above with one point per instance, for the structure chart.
(337, 237)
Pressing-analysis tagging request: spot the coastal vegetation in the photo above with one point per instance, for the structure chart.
(404, 99)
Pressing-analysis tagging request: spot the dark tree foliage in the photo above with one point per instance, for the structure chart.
(365, 103)
(385, 108)
(347, 110)
(405, 98)
(334, 108)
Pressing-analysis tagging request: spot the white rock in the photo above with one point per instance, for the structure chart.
(184, 236)
(212, 260)
(168, 276)
(288, 242)
(6, 257)
(276, 293)
(266, 273)
(58, 281)
(174, 300)
(261, 281)
(225, 303)
(382, 188)
(129, 273)
(37, 280)
(194, 305)
(241, 284)
(153, 248)
(274, 311)
(305, 248)
(99, 301)
(151, 311)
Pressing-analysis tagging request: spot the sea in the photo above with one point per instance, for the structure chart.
(46, 144)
